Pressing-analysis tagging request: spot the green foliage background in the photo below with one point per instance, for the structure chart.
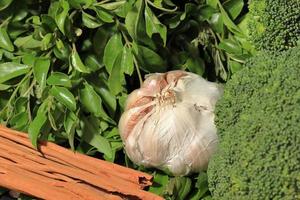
(67, 67)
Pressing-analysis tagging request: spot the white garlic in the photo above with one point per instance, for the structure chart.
(169, 122)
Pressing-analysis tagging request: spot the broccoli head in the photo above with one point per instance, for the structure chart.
(274, 25)
(258, 121)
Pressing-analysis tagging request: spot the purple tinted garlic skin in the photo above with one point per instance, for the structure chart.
(168, 123)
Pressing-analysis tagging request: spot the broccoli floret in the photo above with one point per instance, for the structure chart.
(274, 25)
(258, 121)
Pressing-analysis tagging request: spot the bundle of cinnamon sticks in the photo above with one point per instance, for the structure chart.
(58, 173)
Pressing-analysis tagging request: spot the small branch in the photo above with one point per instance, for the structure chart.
(129, 44)
(15, 93)
(101, 2)
(138, 70)
(5, 22)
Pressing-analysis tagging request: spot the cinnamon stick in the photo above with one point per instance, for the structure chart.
(51, 149)
(58, 173)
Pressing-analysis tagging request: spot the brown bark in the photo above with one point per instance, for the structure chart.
(58, 173)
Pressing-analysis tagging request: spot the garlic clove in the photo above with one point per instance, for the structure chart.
(155, 83)
(173, 76)
(138, 98)
(131, 117)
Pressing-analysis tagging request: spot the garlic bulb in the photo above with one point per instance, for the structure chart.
(169, 122)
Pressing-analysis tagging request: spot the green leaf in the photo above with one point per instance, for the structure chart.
(25, 86)
(244, 41)
(195, 65)
(47, 41)
(70, 123)
(48, 21)
(78, 3)
(64, 96)
(150, 61)
(92, 62)
(230, 46)
(124, 9)
(153, 25)
(37, 123)
(29, 59)
(62, 50)
(135, 25)
(219, 66)
(35, 127)
(189, 9)
(92, 101)
(234, 66)
(234, 7)
(112, 133)
(116, 78)
(244, 23)
(109, 100)
(92, 136)
(104, 15)
(61, 15)
(100, 39)
(160, 183)
(15, 32)
(27, 42)
(113, 48)
(19, 121)
(52, 121)
(127, 61)
(174, 21)
(206, 12)
(77, 63)
(4, 87)
(104, 126)
(35, 20)
(5, 41)
(201, 185)
(21, 104)
(40, 71)
(112, 5)
(183, 187)
(212, 3)
(216, 22)
(4, 4)
(116, 145)
(90, 21)
(58, 78)
(228, 22)
(134, 20)
(11, 70)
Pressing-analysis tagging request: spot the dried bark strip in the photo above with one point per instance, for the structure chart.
(31, 183)
(80, 160)
(58, 173)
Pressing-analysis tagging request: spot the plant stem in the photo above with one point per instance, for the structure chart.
(29, 88)
(129, 44)
(5, 22)
(101, 2)
(138, 70)
(15, 93)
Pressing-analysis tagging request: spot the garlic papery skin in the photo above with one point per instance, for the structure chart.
(169, 122)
